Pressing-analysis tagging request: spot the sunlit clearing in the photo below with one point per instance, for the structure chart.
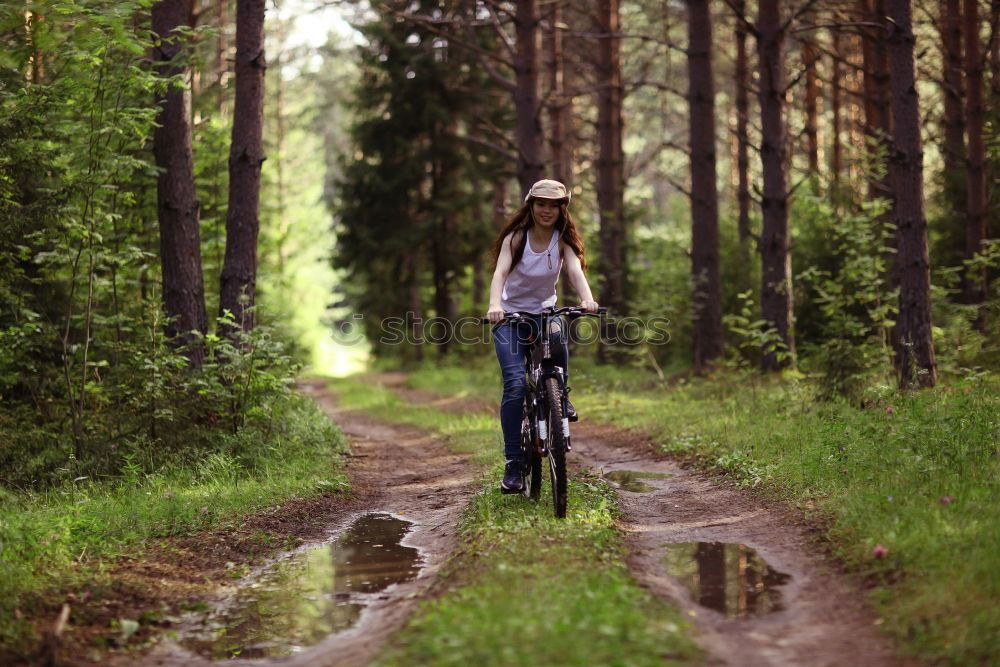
(333, 359)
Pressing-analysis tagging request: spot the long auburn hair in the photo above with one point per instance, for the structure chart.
(523, 221)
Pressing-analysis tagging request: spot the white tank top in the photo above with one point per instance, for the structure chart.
(531, 284)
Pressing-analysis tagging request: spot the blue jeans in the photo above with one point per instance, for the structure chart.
(512, 342)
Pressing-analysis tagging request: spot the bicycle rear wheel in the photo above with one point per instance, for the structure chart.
(557, 447)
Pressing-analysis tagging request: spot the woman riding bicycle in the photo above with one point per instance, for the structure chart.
(529, 253)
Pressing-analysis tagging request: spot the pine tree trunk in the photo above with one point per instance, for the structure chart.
(280, 212)
(411, 275)
(995, 53)
(878, 122)
(810, 58)
(743, 140)
(443, 302)
(442, 252)
(246, 154)
(953, 150)
(177, 202)
(559, 105)
(499, 204)
(878, 131)
(855, 97)
(836, 121)
(610, 160)
(776, 275)
(706, 300)
(221, 54)
(975, 183)
(914, 358)
(526, 97)
(477, 286)
(993, 108)
(36, 63)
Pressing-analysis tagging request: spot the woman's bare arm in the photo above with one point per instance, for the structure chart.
(495, 312)
(577, 279)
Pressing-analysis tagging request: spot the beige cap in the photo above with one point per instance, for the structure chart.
(548, 189)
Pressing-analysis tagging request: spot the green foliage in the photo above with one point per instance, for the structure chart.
(415, 204)
(210, 147)
(958, 344)
(756, 338)
(661, 287)
(854, 302)
(244, 373)
(72, 252)
(961, 341)
(89, 387)
(987, 261)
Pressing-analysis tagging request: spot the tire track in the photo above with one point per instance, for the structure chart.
(825, 621)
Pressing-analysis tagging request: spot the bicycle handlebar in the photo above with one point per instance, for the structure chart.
(571, 311)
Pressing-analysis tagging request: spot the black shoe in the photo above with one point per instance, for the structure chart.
(513, 480)
(571, 412)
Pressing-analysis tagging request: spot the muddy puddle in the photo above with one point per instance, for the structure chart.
(730, 578)
(312, 593)
(636, 481)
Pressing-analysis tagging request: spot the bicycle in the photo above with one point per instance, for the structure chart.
(545, 429)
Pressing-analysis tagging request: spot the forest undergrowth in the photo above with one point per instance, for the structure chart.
(903, 485)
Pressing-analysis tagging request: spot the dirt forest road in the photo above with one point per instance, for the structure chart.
(816, 618)
(395, 470)
(823, 621)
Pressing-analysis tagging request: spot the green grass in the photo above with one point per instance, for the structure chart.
(917, 473)
(527, 588)
(64, 537)
(477, 380)
(536, 590)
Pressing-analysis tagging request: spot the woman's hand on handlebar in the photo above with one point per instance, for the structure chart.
(589, 305)
(495, 314)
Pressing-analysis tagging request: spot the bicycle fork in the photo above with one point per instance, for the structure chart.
(541, 409)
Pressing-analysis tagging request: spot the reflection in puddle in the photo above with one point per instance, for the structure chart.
(631, 480)
(729, 578)
(313, 593)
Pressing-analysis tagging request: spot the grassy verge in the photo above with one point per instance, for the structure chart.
(917, 473)
(63, 538)
(529, 589)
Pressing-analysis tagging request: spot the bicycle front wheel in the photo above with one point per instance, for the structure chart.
(531, 460)
(557, 447)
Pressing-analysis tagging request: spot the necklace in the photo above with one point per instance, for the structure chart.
(548, 250)
(548, 254)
